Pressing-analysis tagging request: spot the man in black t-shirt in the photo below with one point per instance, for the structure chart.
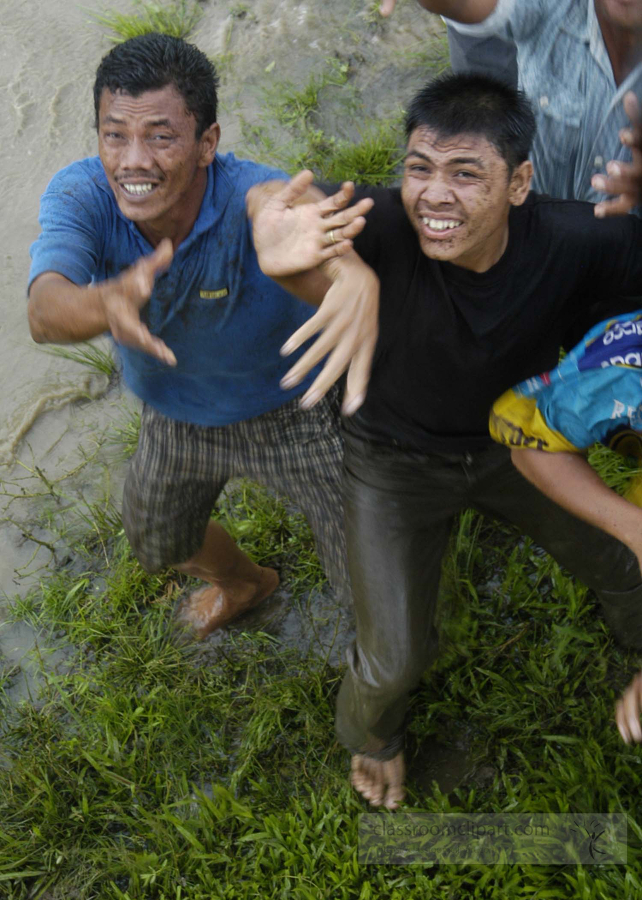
(478, 280)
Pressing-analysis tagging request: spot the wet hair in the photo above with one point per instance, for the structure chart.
(475, 104)
(154, 61)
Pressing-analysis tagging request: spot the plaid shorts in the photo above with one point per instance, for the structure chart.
(179, 470)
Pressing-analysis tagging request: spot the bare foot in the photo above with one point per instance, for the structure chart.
(380, 782)
(212, 607)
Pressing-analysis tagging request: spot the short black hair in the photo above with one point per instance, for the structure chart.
(153, 61)
(476, 104)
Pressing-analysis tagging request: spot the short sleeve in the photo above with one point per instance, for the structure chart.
(69, 242)
(511, 20)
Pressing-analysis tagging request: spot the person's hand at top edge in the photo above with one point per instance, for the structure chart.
(460, 10)
(623, 180)
(387, 7)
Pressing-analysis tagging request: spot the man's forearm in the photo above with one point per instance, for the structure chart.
(62, 312)
(569, 480)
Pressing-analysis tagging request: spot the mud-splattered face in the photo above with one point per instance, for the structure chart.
(457, 193)
(155, 165)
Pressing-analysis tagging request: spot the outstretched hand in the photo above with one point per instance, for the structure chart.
(124, 297)
(348, 321)
(624, 180)
(292, 236)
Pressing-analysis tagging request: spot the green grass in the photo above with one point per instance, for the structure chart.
(177, 19)
(293, 106)
(372, 159)
(615, 470)
(151, 769)
(124, 434)
(87, 354)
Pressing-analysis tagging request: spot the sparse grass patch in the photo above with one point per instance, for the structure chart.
(372, 160)
(433, 58)
(125, 433)
(177, 19)
(86, 354)
(293, 106)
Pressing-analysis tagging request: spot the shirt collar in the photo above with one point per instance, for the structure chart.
(596, 42)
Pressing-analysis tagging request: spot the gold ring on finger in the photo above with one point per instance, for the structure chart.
(332, 237)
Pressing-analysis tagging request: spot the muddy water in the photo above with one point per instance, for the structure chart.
(55, 414)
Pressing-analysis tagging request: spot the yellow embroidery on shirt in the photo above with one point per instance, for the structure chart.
(214, 295)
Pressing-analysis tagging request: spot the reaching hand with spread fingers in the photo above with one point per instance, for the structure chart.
(124, 297)
(295, 227)
(348, 320)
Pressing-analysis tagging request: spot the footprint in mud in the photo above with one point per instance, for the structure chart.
(449, 765)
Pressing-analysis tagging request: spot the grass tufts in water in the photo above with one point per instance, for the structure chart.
(176, 19)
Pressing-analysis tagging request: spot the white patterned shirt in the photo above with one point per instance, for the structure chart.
(565, 71)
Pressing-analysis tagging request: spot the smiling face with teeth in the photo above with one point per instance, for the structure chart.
(457, 193)
(155, 164)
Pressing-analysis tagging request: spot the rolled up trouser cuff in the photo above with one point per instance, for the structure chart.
(392, 749)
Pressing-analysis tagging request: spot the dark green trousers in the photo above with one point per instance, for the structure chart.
(399, 509)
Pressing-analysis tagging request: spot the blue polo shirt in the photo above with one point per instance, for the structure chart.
(224, 319)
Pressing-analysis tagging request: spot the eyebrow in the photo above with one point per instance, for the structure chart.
(154, 123)
(455, 161)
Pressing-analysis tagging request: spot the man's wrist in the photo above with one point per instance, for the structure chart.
(348, 266)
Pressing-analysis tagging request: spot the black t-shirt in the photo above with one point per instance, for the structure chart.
(451, 340)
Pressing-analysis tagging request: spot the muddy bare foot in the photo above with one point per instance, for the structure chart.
(212, 607)
(380, 782)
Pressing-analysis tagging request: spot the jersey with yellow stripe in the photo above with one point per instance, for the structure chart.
(594, 395)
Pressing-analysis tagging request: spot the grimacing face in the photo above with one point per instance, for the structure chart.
(154, 163)
(457, 194)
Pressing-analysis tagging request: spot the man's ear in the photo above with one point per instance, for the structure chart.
(520, 183)
(209, 142)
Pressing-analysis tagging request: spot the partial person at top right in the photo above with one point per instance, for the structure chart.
(580, 65)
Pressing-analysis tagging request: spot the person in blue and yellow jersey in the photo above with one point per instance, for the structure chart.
(549, 421)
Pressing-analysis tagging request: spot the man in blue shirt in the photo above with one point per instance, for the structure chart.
(150, 241)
